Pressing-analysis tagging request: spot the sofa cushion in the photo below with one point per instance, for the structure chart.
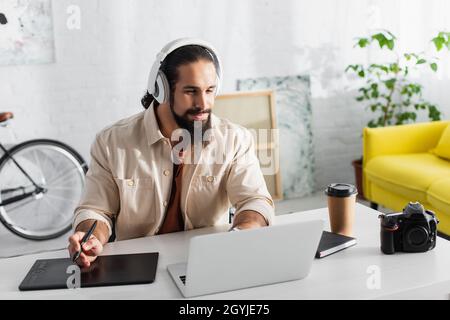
(409, 175)
(443, 148)
(439, 195)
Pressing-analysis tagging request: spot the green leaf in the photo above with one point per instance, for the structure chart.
(404, 90)
(372, 124)
(407, 56)
(421, 61)
(364, 92)
(379, 67)
(403, 117)
(361, 73)
(434, 66)
(415, 88)
(438, 42)
(400, 117)
(354, 68)
(381, 39)
(433, 113)
(363, 42)
(390, 83)
(381, 121)
(418, 89)
(394, 67)
(390, 44)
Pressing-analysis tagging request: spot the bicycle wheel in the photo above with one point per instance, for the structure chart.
(52, 165)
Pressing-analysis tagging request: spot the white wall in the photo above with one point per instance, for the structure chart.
(101, 70)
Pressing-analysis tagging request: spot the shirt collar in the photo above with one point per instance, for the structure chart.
(151, 126)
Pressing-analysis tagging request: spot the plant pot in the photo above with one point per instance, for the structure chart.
(358, 166)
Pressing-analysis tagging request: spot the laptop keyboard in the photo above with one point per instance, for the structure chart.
(183, 279)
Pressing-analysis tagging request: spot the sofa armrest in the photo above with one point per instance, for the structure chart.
(402, 139)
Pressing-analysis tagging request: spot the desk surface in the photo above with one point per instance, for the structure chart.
(349, 274)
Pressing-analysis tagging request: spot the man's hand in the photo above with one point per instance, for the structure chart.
(249, 219)
(91, 249)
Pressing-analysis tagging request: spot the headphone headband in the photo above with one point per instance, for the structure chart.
(156, 78)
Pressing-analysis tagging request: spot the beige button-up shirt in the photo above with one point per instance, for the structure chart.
(130, 178)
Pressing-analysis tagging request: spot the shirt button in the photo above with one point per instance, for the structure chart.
(130, 183)
(210, 178)
(165, 203)
(166, 172)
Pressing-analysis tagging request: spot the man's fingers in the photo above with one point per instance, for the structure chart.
(75, 239)
(85, 260)
(90, 250)
(89, 245)
(73, 248)
(78, 236)
(93, 247)
(74, 244)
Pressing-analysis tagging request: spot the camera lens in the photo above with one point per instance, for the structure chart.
(417, 236)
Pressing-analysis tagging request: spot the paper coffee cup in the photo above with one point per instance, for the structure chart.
(341, 207)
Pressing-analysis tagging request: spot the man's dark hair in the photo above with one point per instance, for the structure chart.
(181, 56)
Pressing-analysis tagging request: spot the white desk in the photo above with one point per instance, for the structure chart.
(343, 275)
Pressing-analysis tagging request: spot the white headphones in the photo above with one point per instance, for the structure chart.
(158, 86)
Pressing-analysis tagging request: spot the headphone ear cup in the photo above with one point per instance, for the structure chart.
(162, 89)
(216, 92)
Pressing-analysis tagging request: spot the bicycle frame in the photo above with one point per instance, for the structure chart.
(36, 192)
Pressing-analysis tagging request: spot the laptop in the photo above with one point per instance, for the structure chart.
(234, 260)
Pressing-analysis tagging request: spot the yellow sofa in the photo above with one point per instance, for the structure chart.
(401, 164)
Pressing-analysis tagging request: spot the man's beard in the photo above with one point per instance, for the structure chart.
(192, 125)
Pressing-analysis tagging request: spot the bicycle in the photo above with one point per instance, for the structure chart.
(41, 182)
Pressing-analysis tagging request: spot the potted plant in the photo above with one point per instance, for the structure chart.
(387, 89)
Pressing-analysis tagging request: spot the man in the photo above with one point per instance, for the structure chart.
(147, 178)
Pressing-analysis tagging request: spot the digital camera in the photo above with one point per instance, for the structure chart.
(412, 230)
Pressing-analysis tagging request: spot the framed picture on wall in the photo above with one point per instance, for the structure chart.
(255, 110)
(26, 32)
(294, 122)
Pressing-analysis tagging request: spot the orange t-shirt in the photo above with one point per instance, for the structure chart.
(173, 220)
